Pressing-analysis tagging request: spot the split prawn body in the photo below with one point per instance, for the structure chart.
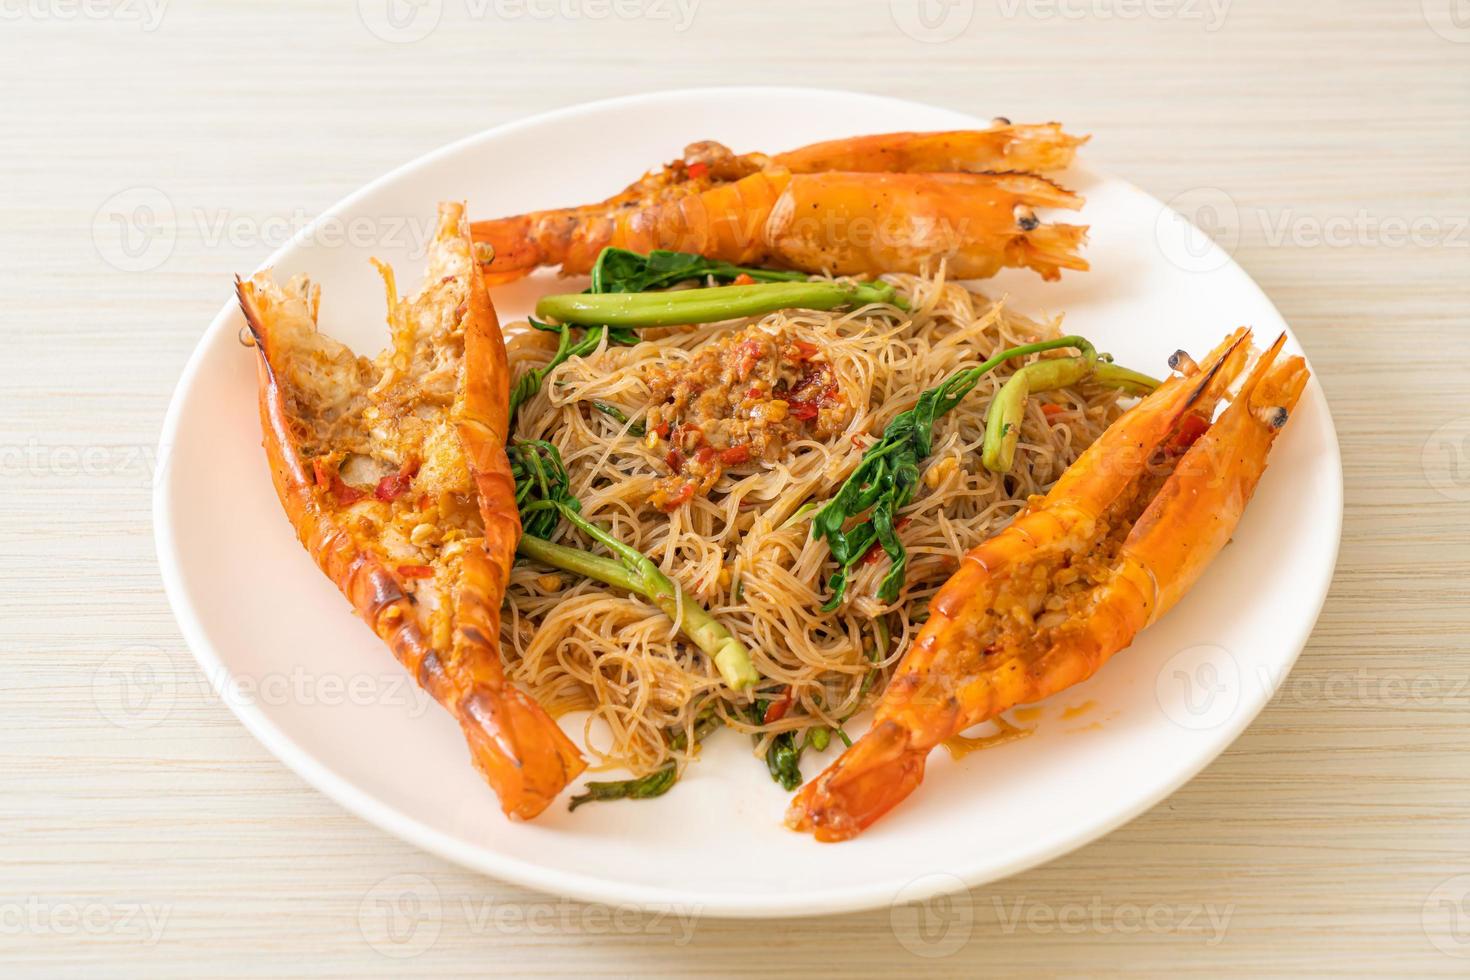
(1119, 539)
(423, 557)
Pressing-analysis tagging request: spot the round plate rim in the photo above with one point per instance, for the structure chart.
(592, 888)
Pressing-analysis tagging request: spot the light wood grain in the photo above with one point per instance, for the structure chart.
(1318, 838)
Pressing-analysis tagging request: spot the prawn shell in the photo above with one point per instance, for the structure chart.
(1001, 147)
(519, 749)
(965, 196)
(947, 682)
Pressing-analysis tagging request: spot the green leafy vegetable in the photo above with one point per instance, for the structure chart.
(888, 474)
(783, 760)
(656, 783)
(544, 497)
(619, 270)
(783, 756)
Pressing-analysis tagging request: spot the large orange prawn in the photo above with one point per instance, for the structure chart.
(1119, 539)
(865, 205)
(394, 474)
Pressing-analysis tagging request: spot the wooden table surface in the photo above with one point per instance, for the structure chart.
(144, 832)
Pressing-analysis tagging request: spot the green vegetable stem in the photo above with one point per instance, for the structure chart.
(656, 783)
(1003, 421)
(887, 476)
(710, 304)
(544, 498)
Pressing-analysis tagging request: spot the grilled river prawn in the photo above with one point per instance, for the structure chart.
(394, 474)
(864, 205)
(1119, 539)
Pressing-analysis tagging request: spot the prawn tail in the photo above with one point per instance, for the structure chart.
(879, 772)
(522, 753)
(1051, 248)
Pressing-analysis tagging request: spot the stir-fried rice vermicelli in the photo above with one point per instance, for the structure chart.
(744, 550)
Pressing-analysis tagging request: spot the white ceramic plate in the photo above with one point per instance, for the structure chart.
(314, 685)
